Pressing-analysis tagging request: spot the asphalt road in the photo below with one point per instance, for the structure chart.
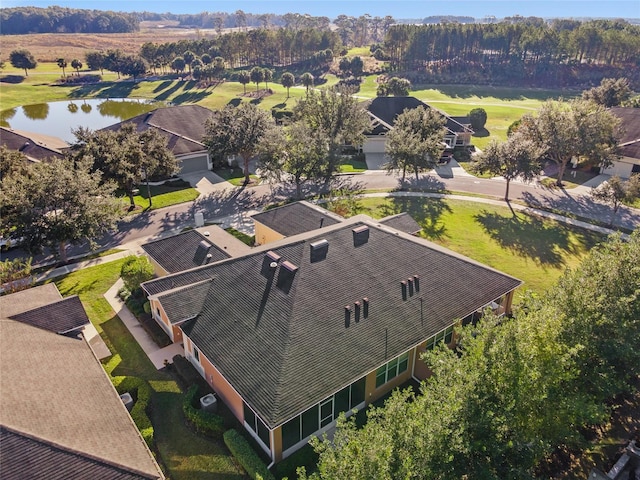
(227, 200)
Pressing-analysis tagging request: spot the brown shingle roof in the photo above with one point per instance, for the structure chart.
(33, 146)
(60, 317)
(295, 218)
(284, 345)
(403, 222)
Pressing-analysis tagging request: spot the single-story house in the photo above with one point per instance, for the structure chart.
(629, 146)
(383, 112)
(318, 323)
(182, 251)
(60, 415)
(403, 222)
(184, 127)
(35, 146)
(291, 219)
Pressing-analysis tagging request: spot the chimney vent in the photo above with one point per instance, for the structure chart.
(269, 264)
(347, 316)
(357, 312)
(360, 235)
(365, 307)
(410, 284)
(403, 286)
(285, 277)
(319, 250)
(416, 282)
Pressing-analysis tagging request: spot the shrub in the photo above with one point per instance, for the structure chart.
(136, 270)
(245, 455)
(186, 372)
(141, 392)
(478, 118)
(204, 422)
(89, 78)
(124, 293)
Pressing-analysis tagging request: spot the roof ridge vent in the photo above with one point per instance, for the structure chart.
(360, 235)
(319, 250)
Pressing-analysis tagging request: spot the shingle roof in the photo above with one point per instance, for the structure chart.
(384, 110)
(29, 299)
(61, 395)
(184, 251)
(59, 317)
(403, 222)
(185, 302)
(177, 280)
(33, 146)
(183, 125)
(22, 457)
(295, 218)
(630, 141)
(284, 348)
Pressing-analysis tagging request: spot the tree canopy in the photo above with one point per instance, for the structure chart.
(610, 93)
(23, 59)
(575, 129)
(288, 80)
(615, 191)
(55, 203)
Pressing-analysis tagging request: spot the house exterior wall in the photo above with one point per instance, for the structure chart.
(265, 234)
(371, 393)
(158, 314)
(214, 378)
(622, 167)
(157, 269)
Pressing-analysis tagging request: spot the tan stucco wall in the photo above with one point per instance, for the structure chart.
(157, 269)
(165, 324)
(622, 167)
(265, 234)
(277, 444)
(371, 393)
(229, 396)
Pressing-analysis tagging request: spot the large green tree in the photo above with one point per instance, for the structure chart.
(517, 157)
(574, 129)
(238, 131)
(56, 203)
(23, 59)
(416, 141)
(617, 191)
(257, 76)
(610, 93)
(126, 156)
(336, 115)
(288, 80)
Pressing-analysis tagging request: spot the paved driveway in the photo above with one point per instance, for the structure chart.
(206, 182)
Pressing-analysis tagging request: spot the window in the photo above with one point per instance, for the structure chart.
(256, 425)
(326, 412)
(291, 432)
(196, 353)
(392, 369)
(310, 421)
(445, 336)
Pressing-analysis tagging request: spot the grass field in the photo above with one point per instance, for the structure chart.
(535, 250)
(186, 455)
(162, 196)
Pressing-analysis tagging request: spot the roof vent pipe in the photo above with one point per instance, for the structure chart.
(403, 286)
(416, 282)
(365, 307)
(347, 316)
(357, 312)
(410, 284)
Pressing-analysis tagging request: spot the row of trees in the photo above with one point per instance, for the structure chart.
(72, 200)
(24, 20)
(514, 390)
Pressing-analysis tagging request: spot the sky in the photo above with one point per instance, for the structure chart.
(399, 9)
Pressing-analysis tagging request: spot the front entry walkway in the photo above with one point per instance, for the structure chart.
(157, 355)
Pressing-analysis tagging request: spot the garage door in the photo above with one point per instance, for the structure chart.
(193, 164)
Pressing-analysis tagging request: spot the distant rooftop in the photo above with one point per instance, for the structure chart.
(296, 218)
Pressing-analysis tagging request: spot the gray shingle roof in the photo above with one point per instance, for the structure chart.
(185, 302)
(59, 317)
(184, 251)
(630, 140)
(403, 222)
(177, 280)
(384, 111)
(32, 145)
(295, 218)
(22, 457)
(284, 348)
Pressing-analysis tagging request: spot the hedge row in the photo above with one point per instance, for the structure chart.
(204, 422)
(246, 456)
(141, 392)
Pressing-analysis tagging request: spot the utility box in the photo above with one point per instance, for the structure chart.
(127, 399)
(199, 219)
(209, 403)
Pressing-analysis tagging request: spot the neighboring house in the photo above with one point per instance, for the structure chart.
(36, 147)
(60, 416)
(181, 252)
(291, 219)
(629, 146)
(321, 322)
(183, 125)
(403, 222)
(383, 112)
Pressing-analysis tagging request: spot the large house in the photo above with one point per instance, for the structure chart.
(321, 322)
(383, 112)
(629, 146)
(183, 125)
(60, 416)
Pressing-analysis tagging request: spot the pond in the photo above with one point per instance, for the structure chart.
(58, 119)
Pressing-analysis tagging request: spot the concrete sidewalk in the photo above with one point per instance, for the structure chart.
(157, 355)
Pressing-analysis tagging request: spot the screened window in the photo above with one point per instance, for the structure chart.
(310, 421)
(257, 425)
(445, 336)
(291, 432)
(326, 412)
(392, 369)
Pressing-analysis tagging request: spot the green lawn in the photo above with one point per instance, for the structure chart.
(533, 249)
(162, 196)
(187, 456)
(234, 176)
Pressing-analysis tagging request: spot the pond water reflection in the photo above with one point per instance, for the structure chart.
(58, 119)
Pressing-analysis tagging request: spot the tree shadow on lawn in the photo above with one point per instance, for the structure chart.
(483, 132)
(191, 97)
(168, 91)
(426, 183)
(228, 202)
(426, 211)
(529, 236)
(163, 85)
(105, 90)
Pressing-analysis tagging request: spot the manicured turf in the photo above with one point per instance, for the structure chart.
(186, 455)
(162, 196)
(533, 249)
